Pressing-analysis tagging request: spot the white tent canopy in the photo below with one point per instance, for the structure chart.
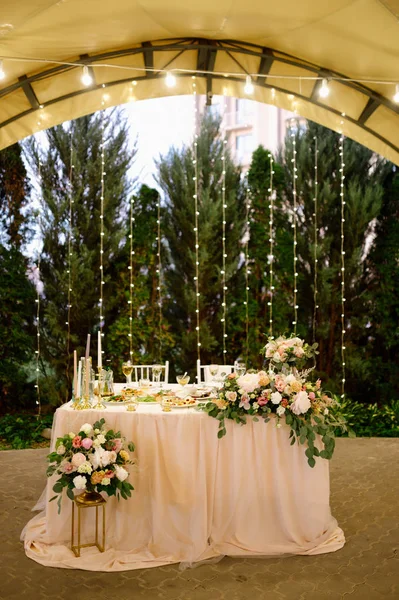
(287, 47)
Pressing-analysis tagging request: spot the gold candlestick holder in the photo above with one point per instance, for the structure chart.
(85, 405)
(76, 403)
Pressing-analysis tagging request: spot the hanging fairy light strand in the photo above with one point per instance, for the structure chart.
(196, 215)
(271, 244)
(224, 255)
(247, 273)
(69, 245)
(37, 351)
(343, 299)
(315, 240)
(294, 226)
(131, 284)
(102, 282)
(159, 274)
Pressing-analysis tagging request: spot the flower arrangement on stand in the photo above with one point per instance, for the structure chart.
(92, 460)
(282, 392)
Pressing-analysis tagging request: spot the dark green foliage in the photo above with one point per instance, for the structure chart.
(23, 431)
(176, 173)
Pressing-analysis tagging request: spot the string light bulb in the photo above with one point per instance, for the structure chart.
(170, 80)
(86, 78)
(249, 86)
(324, 90)
(396, 96)
(2, 72)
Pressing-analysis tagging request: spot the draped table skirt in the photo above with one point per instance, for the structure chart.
(196, 497)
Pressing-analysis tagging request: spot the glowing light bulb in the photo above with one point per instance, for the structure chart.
(249, 86)
(2, 73)
(396, 96)
(170, 80)
(324, 90)
(86, 78)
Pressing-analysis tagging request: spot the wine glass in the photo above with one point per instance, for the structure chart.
(157, 371)
(183, 379)
(127, 369)
(213, 370)
(240, 367)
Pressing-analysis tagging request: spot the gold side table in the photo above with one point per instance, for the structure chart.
(84, 501)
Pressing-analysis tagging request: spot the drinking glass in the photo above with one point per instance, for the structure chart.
(213, 370)
(127, 369)
(132, 403)
(240, 367)
(183, 379)
(144, 383)
(157, 372)
(166, 407)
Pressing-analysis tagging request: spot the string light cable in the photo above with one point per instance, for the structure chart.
(69, 249)
(37, 301)
(224, 254)
(102, 234)
(271, 244)
(294, 227)
(343, 299)
(159, 273)
(247, 273)
(315, 240)
(196, 222)
(131, 284)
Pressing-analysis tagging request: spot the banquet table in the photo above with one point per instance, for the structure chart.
(196, 497)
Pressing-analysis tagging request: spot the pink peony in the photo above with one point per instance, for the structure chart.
(117, 445)
(78, 459)
(301, 404)
(87, 443)
(77, 441)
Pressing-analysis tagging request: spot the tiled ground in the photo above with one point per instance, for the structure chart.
(365, 500)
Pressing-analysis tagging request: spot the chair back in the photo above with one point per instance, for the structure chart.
(145, 372)
(204, 375)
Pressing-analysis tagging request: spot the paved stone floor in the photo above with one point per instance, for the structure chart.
(365, 500)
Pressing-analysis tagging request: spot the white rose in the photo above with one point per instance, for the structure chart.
(105, 481)
(72, 435)
(276, 397)
(112, 456)
(280, 411)
(101, 439)
(105, 458)
(96, 431)
(79, 482)
(121, 473)
(290, 378)
(85, 468)
(301, 403)
(231, 396)
(95, 459)
(61, 449)
(248, 382)
(86, 428)
(96, 443)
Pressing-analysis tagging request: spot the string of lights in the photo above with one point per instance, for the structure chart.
(315, 241)
(271, 244)
(37, 351)
(224, 255)
(159, 274)
(294, 226)
(69, 247)
(131, 284)
(196, 215)
(343, 299)
(102, 283)
(247, 273)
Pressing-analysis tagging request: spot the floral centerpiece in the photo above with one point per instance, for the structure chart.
(284, 393)
(92, 460)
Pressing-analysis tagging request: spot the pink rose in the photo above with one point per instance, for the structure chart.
(67, 467)
(231, 375)
(78, 459)
(299, 352)
(109, 474)
(262, 401)
(311, 395)
(87, 443)
(77, 441)
(117, 445)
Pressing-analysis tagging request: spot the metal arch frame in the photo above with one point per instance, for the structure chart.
(207, 50)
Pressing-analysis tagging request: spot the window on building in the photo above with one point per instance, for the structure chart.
(244, 110)
(244, 144)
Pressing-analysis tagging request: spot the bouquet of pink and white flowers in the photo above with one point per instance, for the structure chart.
(94, 459)
(288, 352)
(303, 405)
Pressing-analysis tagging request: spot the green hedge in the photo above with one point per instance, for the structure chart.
(22, 431)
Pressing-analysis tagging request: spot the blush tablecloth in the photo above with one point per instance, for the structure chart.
(196, 497)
